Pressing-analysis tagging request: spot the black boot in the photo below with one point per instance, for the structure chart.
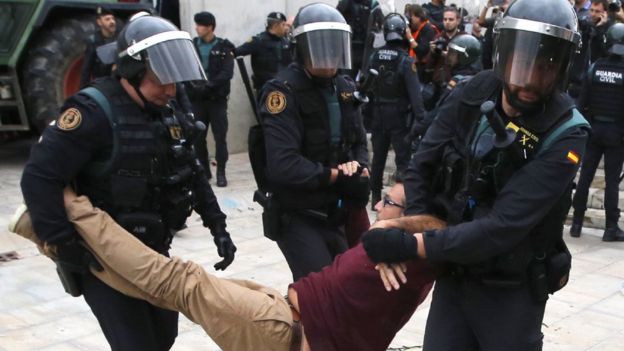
(613, 233)
(577, 224)
(207, 171)
(375, 198)
(221, 180)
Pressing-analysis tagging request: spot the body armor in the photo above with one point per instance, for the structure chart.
(147, 172)
(607, 89)
(273, 56)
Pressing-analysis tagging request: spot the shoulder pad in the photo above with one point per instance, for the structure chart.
(227, 44)
(480, 88)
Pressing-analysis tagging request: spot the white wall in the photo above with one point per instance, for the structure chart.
(238, 20)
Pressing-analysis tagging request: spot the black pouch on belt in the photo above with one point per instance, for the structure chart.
(147, 227)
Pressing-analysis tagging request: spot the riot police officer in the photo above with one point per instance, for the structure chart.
(316, 155)
(601, 99)
(92, 66)
(269, 50)
(464, 53)
(397, 105)
(122, 143)
(505, 192)
(357, 13)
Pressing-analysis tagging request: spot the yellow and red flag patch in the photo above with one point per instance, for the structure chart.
(573, 157)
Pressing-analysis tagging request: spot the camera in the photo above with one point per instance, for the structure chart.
(614, 6)
(440, 45)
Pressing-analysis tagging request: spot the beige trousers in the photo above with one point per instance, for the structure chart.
(237, 314)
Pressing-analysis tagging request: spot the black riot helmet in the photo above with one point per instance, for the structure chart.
(394, 27)
(322, 37)
(463, 50)
(151, 42)
(535, 44)
(615, 39)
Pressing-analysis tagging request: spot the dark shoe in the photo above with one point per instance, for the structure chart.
(208, 172)
(375, 198)
(221, 180)
(613, 234)
(575, 230)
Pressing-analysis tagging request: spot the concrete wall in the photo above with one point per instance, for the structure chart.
(238, 20)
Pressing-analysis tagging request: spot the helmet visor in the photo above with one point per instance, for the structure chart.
(175, 61)
(532, 60)
(325, 48)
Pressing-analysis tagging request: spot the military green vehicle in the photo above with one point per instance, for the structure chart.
(42, 43)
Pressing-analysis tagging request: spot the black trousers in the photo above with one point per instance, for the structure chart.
(309, 244)
(606, 139)
(213, 112)
(382, 139)
(129, 324)
(465, 315)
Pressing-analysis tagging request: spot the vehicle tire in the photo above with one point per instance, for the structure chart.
(52, 67)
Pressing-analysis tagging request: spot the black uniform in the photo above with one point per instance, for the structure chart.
(602, 101)
(397, 106)
(141, 174)
(356, 13)
(92, 67)
(269, 55)
(210, 99)
(309, 127)
(507, 211)
(435, 14)
(581, 60)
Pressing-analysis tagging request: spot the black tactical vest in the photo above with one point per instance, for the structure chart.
(607, 89)
(390, 85)
(466, 187)
(148, 169)
(314, 114)
(274, 54)
(356, 16)
(313, 111)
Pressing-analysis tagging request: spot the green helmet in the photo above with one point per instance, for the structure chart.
(463, 50)
(615, 39)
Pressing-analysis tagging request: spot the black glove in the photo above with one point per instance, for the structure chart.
(354, 189)
(225, 249)
(390, 245)
(74, 257)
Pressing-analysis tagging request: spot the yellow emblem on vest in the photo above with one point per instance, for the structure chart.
(70, 119)
(275, 102)
(346, 96)
(175, 132)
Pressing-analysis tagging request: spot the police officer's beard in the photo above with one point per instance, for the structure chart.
(521, 106)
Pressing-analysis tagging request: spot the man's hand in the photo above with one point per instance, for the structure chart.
(391, 245)
(389, 274)
(225, 249)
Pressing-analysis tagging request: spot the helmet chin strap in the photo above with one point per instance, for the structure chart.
(147, 105)
(523, 107)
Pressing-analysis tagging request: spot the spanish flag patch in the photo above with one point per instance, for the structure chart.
(573, 157)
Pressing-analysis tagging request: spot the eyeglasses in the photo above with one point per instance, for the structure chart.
(388, 202)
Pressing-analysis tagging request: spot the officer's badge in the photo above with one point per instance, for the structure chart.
(414, 68)
(346, 96)
(70, 119)
(275, 102)
(175, 132)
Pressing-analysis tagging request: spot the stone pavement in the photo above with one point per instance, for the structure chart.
(35, 313)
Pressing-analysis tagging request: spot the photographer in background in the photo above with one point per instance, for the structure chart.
(436, 68)
(495, 8)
